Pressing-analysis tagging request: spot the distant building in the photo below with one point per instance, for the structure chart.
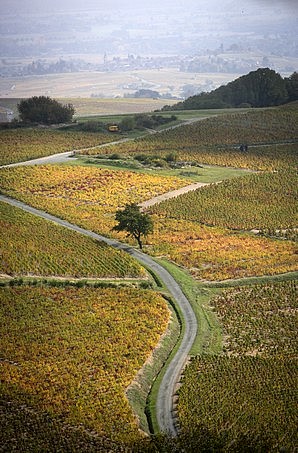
(6, 116)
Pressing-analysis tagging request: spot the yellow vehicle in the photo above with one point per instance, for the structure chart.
(113, 128)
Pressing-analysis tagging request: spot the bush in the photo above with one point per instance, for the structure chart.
(92, 126)
(44, 110)
(114, 156)
(127, 124)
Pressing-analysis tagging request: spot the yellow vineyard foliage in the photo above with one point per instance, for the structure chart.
(17, 145)
(90, 197)
(32, 246)
(271, 136)
(86, 196)
(217, 253)
(247, 395)
(73, 352)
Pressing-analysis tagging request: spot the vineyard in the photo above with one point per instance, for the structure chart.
(86, 196)
(71, 353)
(246, 398)
(19, 145)
(219, 254)
(90, 197)
(33, 246)
(256, 201)
(216, 141)
(260, 320)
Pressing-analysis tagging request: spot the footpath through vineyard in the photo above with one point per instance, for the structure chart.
(164, 404)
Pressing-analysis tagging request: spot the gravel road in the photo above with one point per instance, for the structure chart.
(172, 194)
(59, 157)
(164, 404)
(63, 157)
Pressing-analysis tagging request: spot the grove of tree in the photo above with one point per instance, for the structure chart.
(261, 88)
(44, 110)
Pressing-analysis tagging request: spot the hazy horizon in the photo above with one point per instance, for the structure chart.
(201, 37)
(19, 6)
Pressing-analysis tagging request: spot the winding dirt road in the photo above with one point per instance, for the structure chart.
(165, 399)
(165, 403)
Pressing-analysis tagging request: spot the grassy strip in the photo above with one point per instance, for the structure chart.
(79, 283)
(209, 335)
(208, 340)
(177, 332)
(206, 173)
(138, 392)
(142, 393)
(252, 280)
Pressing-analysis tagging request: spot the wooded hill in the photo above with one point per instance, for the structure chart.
(261, 88)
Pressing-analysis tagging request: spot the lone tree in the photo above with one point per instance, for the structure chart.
(135, 222)
(44, 110)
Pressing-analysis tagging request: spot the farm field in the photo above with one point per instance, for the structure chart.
(17, 145)
(31, 246)
(266, 201)
(245, 397)
(71, 353)
(92, 107)
(114, 85)
(84, 195)
(181, 115)
(90, 197)
(215, 254)
(216, 141)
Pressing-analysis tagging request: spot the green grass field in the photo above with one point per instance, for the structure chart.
(205, 173)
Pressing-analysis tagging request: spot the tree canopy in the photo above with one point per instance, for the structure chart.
(261, 88)
(44, 110)
(134, 222)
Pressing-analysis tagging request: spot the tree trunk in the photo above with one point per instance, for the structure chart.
(138, 238)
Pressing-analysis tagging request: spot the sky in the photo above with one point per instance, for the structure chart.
(127, 19)
(23, 6)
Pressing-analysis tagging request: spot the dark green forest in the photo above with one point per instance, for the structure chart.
(261, 88)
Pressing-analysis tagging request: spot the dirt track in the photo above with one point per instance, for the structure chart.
(172, 194)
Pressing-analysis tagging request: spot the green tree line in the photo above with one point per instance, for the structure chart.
(261, 88)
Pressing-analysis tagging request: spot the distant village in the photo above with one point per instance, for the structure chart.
(213, 61)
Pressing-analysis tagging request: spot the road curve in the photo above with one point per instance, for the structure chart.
(164, 404)
(63, 157)
(60, 157)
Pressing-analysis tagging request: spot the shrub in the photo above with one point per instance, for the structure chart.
(44, 110)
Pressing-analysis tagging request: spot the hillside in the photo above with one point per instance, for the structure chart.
(86, 331)
(261, 88)
(271, 136)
